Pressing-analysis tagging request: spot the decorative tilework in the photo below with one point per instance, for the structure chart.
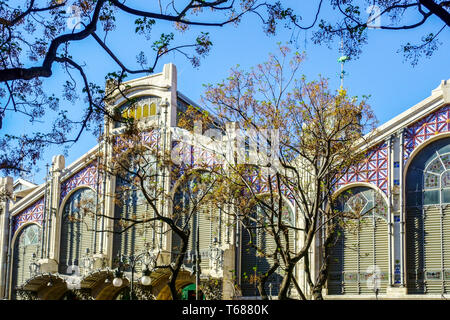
(85, 177)
(424, 129)
(373, 170)
(148, 137)
(34, 213)
(192, 157)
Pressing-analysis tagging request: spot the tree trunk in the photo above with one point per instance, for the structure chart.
(177, 267)
(284, 288)
(317, 293)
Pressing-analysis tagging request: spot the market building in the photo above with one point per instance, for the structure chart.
(49, 249)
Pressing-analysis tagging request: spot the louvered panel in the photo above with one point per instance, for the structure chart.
(264, 264)
(414, 250)
(366, 245)
(132, 241)
(177, 208)
(366, 253)
(87, 239)
(248, 262)
(336, 262)
(382, 251)
(351, 258)
(77, 230)
(21, 271)
(23, 253)
(205, 221)
(432, 249)
(446, 243)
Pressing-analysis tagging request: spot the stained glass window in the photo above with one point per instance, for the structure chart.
(436, 181)
(445, 179)
(435, 166)
(143, 107)
(364, 201)
(446, 160)
(431, 180)
(30, 236)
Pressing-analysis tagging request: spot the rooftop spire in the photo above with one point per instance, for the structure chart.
(342, 59)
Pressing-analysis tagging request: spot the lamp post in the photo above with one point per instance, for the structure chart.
(34, 266)
(88, 262)
(144, 258)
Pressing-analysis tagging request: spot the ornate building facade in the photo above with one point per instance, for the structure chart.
(51, 249)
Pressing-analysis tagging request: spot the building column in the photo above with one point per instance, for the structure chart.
(49, 263)
(6, 190)
(397, 285)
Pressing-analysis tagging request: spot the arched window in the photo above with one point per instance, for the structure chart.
(26, 245)
(77, 230)
(359, 260)
(428, 219)
(142, 107)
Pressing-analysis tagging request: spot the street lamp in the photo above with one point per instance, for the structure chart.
(88, 262)
(34, 267)
(144, 258)
(117, 281)
(145, 279)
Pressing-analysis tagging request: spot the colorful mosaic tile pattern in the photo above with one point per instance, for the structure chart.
(424, 129)
(185, 155)
(34, 213)
(149, 137)
(85, 177)
(374, 169)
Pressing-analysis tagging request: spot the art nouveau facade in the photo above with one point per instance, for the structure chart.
(46, 246)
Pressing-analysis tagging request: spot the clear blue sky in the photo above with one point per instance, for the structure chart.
(394, 85)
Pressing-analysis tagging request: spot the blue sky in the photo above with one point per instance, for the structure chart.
(394, 85)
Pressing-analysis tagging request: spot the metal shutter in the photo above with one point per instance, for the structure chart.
(77, 232)
(382, 251)
(351, 261)
(250, 261)
(432, 249)
(446, 246)
(414, 249)
(336, 265)
(359, 250)
(133, 241)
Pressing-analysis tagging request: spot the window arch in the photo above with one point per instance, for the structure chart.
(26, 245)
(141, 107)
(427, 218)
(361, 246)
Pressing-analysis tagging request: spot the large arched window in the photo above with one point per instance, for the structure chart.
(77, 230)
(26, 245)
(428, 219)
(359, 260)
(255, 232)
(139, 108)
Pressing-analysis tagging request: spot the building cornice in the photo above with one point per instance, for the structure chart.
(438, 99)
